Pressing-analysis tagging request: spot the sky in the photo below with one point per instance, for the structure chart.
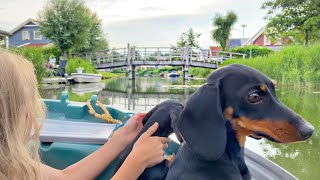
(150, 23)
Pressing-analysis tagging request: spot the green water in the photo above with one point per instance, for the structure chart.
(302, 159)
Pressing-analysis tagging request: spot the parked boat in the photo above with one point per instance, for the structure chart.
(86, 77)
(173, 74)
(71, 133)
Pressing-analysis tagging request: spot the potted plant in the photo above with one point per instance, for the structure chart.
(80, 69)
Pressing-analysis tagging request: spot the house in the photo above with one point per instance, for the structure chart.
(261, 39)
(27, 34)
(236, 42)
(233, 42)
(4, 35)
(214, 50)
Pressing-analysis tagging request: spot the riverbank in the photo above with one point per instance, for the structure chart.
(107, 75)
(194, 72)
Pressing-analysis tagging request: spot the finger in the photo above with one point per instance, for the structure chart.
(140, 116)
(151, 130)
(165, 146)
(163, 139)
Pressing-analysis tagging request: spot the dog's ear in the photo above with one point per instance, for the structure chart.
(201, 123)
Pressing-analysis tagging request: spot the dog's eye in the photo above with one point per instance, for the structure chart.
(254, 98)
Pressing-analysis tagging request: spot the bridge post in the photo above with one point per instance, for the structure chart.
(130, 90)
(186, 59)
(131, 68)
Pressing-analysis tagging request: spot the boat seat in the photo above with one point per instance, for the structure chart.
(75, 132)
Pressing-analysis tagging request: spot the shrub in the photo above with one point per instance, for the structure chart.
(52, 51)
(73, 64)
(37, 57)
(166, 69)
(118, 70)
(256, 51)
(200, 72)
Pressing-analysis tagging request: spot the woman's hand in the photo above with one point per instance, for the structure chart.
(130, 130)
(149, 150)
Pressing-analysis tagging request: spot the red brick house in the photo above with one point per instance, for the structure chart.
(214, 50)
(261, 39)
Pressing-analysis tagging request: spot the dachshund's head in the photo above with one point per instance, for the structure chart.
(246, 99)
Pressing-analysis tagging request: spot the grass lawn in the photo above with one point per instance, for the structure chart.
(107, 75)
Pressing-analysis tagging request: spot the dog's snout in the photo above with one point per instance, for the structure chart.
(306, 131)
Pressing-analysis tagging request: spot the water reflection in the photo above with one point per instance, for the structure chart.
(302, 159)
(139, 95)
(81, 89)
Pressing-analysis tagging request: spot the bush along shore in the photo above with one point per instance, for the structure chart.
(40, 57)
(157, 71)
(292, 65)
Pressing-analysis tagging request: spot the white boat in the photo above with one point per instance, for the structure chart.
(173, 74)
(86, 77)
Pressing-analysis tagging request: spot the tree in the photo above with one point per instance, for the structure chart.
(66, 23)
(222, 28)
(97, 40)
(293, 17)
(190, 37)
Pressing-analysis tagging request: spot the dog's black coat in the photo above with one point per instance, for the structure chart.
(210, 148)
(166, 114)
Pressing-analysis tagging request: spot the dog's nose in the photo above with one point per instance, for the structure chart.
(306, 131)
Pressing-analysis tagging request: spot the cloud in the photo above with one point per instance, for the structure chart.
(152, 22)
(127, 10)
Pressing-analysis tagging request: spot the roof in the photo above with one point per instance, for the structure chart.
(255, 37)
(236, 42)
(27, 22)
(4, 33)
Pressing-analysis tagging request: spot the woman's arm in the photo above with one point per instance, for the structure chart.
(89, 167)
(93, 165)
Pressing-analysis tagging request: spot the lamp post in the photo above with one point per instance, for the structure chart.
(243, 26)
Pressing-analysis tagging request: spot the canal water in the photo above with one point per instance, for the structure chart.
(301, 159)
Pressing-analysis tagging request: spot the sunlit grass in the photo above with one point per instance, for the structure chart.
(295, 65)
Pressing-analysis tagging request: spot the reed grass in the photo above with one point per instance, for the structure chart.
(294, 65)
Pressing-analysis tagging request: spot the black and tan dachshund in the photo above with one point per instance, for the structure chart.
(237, 101)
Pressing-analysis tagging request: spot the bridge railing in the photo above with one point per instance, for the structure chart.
(115, 55)
(156, 54)
(202, 55)
(224, 55)
(169, 54)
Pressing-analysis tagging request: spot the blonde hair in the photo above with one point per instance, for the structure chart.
(21, 113)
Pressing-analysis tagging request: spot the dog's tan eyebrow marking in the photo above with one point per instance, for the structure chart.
(228, 113)
(263, 88)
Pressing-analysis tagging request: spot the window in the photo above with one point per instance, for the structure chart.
(25, 35)
(267, 40)
(37, 35)
(279, 41)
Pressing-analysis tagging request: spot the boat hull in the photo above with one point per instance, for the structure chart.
(86, 78)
